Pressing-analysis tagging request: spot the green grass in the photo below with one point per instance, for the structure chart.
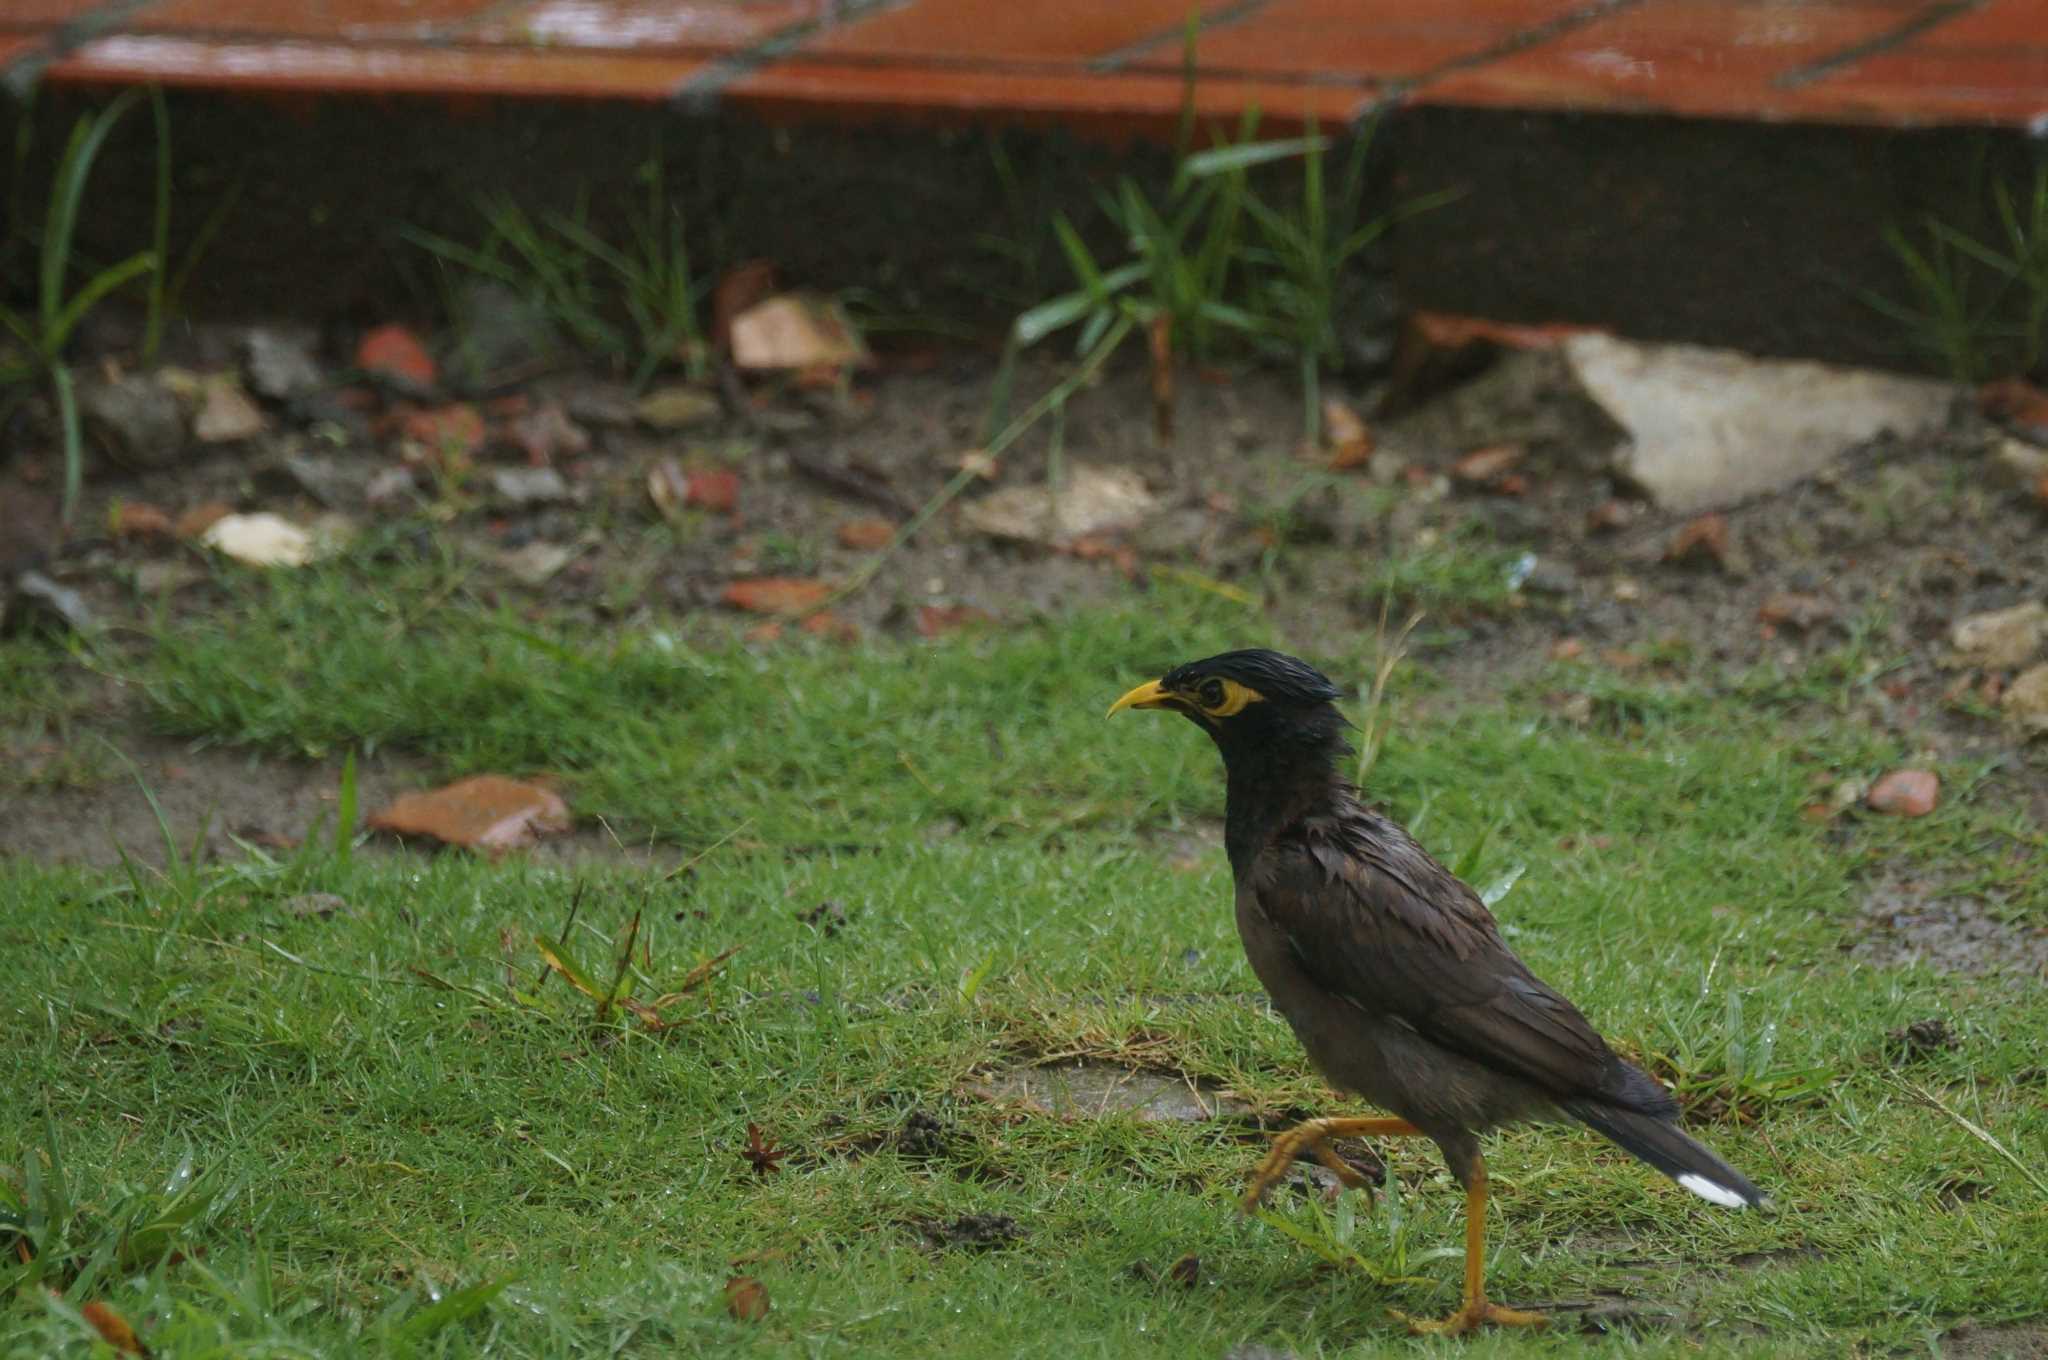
(383, 1107)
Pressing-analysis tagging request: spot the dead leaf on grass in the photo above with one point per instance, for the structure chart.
(676, 408)
(395, 352)
(443, 434)
(740, 288)
(778, 594)
(1485, 467)
(138, 519)
(794, 331)
(866, 535)
(762, 1153)
(1091, 500)
(486, 812)
(226, 415)
(746, 1298)
(546, 433)
(935, 620)
(112, 1327)
(1346, 436)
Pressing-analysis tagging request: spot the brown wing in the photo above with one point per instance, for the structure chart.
(1373, 918)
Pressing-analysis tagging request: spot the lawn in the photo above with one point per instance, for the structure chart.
(254, 1121)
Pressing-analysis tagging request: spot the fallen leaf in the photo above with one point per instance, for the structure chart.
(226, 415)
(2026, 700)
(2016, 404)
(866, 534)
(794, 331)
(746, 1298)
(762, 1152)
(676, 408)
(777, 594)
(2000, 639)
(1346, 436)
(714, 489)
(112, 1327)
(1186, 1272)
(486, 812)
(1905, 793)
(261, 540)
(538, 562)
(529, 485)
(739, 288)
(546, 433)
(1611, 516)
(197, 520)
(1091, 500)
(827, 624)
(1796, 610)
(450, 432)
(978, 462)
(1702, 539)
(395, 352)
(1485, 466)
(934, 620)
(138, 519)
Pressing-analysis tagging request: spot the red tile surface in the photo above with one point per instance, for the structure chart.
(366, 68)
(1025, 31)
(16, 14)
(1104, 103)
(1866, 61)
(348, 20)
(647, 23)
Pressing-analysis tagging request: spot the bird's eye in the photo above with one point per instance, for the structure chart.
(1212, 694)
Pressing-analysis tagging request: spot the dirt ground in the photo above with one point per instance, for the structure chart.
(1890, 547)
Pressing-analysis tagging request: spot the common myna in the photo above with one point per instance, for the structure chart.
(1391, 971)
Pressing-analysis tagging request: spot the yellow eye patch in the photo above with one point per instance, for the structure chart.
(1231, 701)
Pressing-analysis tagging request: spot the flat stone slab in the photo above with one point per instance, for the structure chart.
(1709, 427)
(1086, 1090)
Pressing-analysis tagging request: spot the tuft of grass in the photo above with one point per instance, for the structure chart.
(1978, 302)
(634, 302)
(61, 304)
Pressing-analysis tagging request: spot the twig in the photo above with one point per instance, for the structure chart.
(958, 482)
(695, 859)
(1975, 1130)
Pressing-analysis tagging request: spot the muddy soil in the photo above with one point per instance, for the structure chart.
(1888, 547)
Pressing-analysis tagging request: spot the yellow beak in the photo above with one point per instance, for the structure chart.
(1147, 695)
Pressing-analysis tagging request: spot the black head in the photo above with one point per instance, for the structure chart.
(1250, 701)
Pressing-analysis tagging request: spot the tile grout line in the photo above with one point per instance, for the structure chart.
(1228, 16)
(1934, 16)
(19, 76)
(700, 92)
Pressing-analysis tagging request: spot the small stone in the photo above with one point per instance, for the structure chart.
(390, 487)
(261, 540)
(37, 595)
(2019, 465)
(280, 364)
(1795, 610)
(538, 562)
(1547, 577)
(135, 421)
(1905, 793)
(2025, 700)
(2000, 639)
(529, 486)
(226, 415)
(677, 408)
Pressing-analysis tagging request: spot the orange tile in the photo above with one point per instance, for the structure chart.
(348, 20)
(1916, 87)
(640, 24)
(368, 68)
(1005, 31)
(20, 14)
(1120, 104)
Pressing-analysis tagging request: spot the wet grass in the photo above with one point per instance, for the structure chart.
(407, 1143)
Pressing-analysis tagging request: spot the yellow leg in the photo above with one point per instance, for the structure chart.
(1475, 1311)
(1311, 1136)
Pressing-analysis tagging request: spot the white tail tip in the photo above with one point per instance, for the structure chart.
(1711, 1191)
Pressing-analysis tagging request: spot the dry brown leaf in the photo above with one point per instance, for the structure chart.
(746, 1298)
(866, 534)
(487, 812)
(778, 594)
(112, 1327)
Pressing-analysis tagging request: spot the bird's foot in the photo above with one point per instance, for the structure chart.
(1312, 1137)
(1476, 1313)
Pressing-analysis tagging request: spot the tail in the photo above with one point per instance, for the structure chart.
(1664, 1145)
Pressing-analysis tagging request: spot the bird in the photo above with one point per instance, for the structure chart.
(1392, 972)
